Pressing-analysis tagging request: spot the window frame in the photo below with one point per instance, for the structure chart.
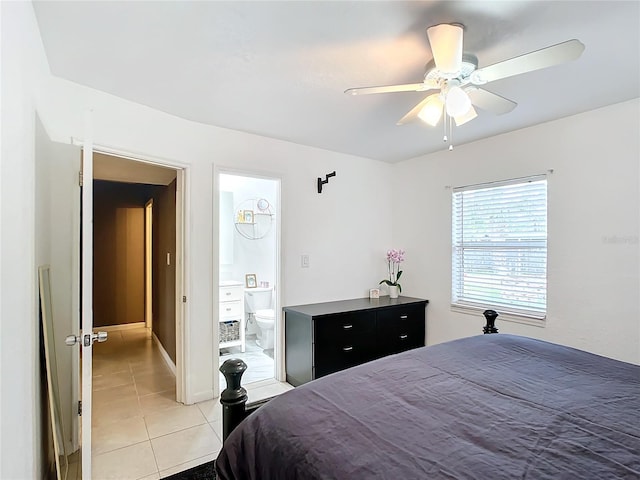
(518, 313)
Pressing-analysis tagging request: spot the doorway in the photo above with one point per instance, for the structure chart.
(249, 320)
(136, 280)
(137, 248)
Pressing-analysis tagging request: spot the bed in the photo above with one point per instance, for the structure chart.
(485, 407)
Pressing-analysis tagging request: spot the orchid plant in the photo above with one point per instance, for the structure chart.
(394, 259)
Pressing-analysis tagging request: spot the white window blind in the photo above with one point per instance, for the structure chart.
(500, 246)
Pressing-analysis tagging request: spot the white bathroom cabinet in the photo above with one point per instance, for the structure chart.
(231, 319)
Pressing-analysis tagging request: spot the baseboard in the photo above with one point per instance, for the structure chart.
(165, 355)
(122, 326)
(202, 396)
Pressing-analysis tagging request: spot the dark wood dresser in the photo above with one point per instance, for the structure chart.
(323, 338)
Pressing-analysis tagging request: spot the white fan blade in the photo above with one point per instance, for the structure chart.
(490, 101)
(543, 58)
(446, 46)
(413, 113)
(410, 87)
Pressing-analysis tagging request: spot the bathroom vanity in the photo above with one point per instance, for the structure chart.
(323, 338)
(231, 315)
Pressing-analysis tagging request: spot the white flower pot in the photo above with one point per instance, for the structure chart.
(393, 291)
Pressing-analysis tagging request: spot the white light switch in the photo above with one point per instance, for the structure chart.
(304, 261)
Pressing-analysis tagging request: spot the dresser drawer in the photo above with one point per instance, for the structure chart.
(342, 341)
(229, 294)
(330, 357)
(231, 310)
(351, 328)
(401, 329)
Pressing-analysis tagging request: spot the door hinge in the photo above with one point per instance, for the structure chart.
(184, 299)
(80, 407)
(80, 179)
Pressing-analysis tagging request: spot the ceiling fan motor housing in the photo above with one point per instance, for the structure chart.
(468, 66)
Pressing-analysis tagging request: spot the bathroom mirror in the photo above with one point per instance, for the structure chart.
(55, 413)
(226, 228)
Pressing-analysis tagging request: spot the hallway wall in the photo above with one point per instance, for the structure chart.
(118, 287)
(164, 276)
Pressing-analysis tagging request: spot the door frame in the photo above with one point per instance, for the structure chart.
(279, 358)
(148, 264)
(183, 266)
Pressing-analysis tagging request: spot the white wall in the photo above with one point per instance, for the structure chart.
(593, 282)
(341, 228)
(335, 228)
(593, 224)
(23, 64)
(57, 201)
(250, 255)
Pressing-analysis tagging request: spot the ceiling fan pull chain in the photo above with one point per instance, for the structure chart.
(450, 133)
(444, 124)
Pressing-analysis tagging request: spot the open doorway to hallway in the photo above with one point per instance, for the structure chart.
(135, 249)
(136, 277)
(249, 313)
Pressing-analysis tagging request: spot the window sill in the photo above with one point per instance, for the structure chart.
(506, 316)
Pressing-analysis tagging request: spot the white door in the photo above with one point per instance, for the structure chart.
(86, 304)
(84, 338)
(87, 337)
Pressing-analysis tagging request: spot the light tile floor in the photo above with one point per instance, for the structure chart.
(259, 361)
(139, 431)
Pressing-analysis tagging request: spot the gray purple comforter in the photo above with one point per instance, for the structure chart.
(487, 407)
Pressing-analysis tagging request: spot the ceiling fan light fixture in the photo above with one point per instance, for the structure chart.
(446, 44)
(467, 117)
(458, 102)
(432, 111)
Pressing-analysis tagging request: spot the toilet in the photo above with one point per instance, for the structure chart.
(265, 320)
(259, 304)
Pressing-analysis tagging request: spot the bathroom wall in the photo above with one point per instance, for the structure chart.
(250, 256)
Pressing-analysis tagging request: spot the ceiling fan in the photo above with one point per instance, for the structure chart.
(456, 78)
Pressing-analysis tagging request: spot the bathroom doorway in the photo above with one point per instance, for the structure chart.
(249, 318)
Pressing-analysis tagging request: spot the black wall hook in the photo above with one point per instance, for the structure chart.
(326, 180)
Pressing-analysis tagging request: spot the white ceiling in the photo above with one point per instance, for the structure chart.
(279, 69)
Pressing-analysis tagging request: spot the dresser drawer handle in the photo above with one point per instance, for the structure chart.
(347, 327)
(228, 293)
(403, 317)
(402, 337)
(228, 309)
(347, 349)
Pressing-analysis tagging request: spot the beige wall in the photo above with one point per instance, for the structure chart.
(118, 288)
(164, 276)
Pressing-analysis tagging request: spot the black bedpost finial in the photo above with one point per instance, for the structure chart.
(491, 316)
(234, 397)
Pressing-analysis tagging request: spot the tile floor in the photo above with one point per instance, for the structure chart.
(138, 429)
(259, 361)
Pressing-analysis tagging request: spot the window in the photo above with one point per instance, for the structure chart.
(500, 247)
